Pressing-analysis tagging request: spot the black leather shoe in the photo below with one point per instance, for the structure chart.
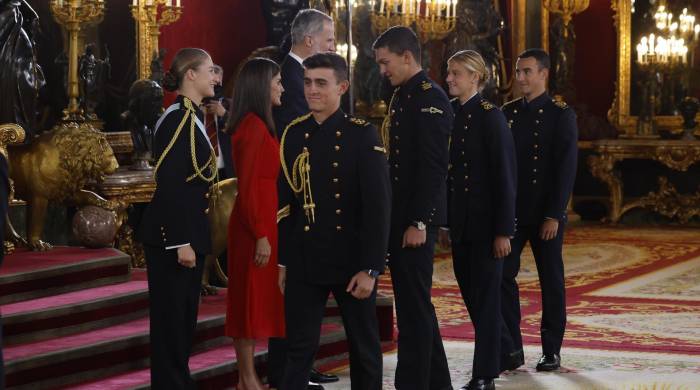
(479, 384)
(549, 363)
(512, 361)
(320, 377)
(314, 386)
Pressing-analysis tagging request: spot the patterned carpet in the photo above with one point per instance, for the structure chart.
(633, 304)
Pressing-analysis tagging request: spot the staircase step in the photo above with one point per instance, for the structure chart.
(29, 275)
(216, 368)
(61, 361)
(74, 312)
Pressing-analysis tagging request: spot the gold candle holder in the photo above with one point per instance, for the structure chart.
(434, 19)
(73, 14)
(150, 16)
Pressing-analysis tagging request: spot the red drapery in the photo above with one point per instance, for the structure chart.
(228, 29)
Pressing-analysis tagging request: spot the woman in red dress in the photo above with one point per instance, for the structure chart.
(255, 303)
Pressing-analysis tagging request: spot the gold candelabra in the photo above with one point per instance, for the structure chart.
(433, 19)
(567, 9)
(73, 14)
(150, 16)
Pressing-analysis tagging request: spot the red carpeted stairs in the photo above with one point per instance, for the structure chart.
(78, 318)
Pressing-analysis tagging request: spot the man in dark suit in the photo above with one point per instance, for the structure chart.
(4, 200)
(312, 32)
(545, 135)
(419, 124)
(336, 200)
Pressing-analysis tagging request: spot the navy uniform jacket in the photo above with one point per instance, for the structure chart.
(420, 118)
(482, 177)
(177, 213)
(352, 196)
(545, 136)
(294, 103)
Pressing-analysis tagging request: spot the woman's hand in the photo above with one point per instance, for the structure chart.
(186, 256)
(262, 252)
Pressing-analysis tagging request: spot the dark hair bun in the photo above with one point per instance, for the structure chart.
(170, 82)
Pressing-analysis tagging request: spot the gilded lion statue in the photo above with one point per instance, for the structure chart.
(55, 167)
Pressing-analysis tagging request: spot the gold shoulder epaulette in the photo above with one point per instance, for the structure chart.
(560, 103)
(425, 85)
(486, 105)
(358, 121)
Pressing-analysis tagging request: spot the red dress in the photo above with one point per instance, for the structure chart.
(255, 304)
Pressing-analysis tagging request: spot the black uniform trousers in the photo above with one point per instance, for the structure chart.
(174, 293)
(550, 269)
(422, 363)
(305, 304)
(479, 276)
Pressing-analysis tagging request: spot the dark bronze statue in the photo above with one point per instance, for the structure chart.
(93, 73)
(479, 25)
(688, 107)
(145, 106)
(20, 74)
(157, 67)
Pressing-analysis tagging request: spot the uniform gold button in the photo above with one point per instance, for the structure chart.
(305, 149)
(462, 139)
(397, 123)
(515, 111)
(534, 170)
(337, 196)
(465, 165)
(466, 127)
(337, 148)
(534, 181)
(536, 146)
(338, 133)
(466, 177)
(540, 111)
(306, 135)
(469, 116)
(536, 134)
(396, 165)
(393, 111)
(335, 165)
(338, 228)
(535, 158)
(537, 121)
(466, 189)
(206, 211)
(396, 178)
(335, 180)
(162, 228)
(338, 211)
(462, 153)
(396, 151)
(396, 137)
(307, 228)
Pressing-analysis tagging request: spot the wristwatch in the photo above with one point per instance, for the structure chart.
(373, 273)
(418, 225)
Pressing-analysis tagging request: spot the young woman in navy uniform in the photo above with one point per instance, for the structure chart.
(175, 229)
(481, 207)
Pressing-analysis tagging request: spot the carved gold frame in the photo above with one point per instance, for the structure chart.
(619, 114)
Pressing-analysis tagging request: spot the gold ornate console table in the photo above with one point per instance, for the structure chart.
(678, 155)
